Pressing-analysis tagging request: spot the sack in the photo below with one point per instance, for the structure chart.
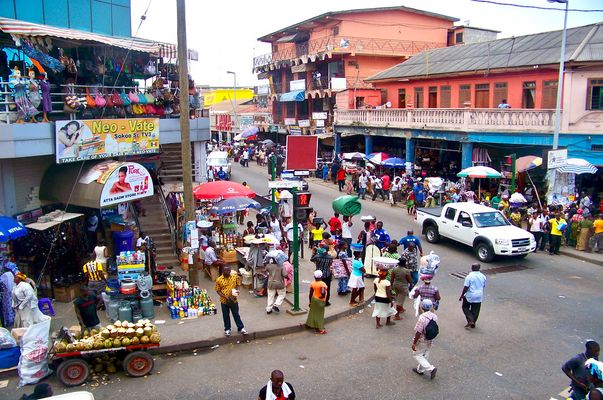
(33, 364)
(6, 339)
(432, 330)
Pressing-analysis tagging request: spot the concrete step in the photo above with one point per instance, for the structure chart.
(173, 261)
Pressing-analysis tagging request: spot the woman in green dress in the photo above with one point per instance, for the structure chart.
(317, 298)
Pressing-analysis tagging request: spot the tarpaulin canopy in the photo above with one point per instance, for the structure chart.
(222, 190)
(10, 229)
(347, 205)
(296, 95)
(22, 28)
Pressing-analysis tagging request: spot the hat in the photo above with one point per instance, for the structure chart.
(426, 304)
(318, 274)
(21, 275)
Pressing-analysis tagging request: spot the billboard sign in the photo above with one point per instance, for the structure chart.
(302, 152)
(556, 158)
(94, 139)
(127, 182)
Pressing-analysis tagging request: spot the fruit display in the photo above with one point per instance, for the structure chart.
(120, 334)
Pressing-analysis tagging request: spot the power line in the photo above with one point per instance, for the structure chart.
(535, 7)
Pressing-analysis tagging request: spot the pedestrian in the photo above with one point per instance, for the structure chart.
(222, 175)
(210, 174)
(334, 223)
(317, 302)
(276, 228)
(558, 226)
(535, 224)
(245, 158)
(585, 230)
(473, 294)
(383, 300)
(341, 178)
(546, 229)
(400, 279)
(411, 238)
(289, 231)
(380, 235)
(410, 202)
(25, 303)
(101, 253)
(344, 272)
(316, 232)
(325, 172)
(423, 340)
(324, 263)
(276, 286)
(7, 283)
(346, 233)
(355, 282)
(598, 237)
(365, 237)
(249, 230)
(377, 188)
(515, 217)
(85, 309)
(428, 291)
(411, 255)
(362, 185)
(576, 370)
(395, 190)
(95, 275)
(227, 287)
(277, 388)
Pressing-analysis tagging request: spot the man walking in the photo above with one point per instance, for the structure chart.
(377, 188)
(276, 286)
(362, 185)
(346, 233)
(473, 294)
(227, 287)
(577, 371)
(422, 342)
(411, 238)
(558, 226)
(598, 238)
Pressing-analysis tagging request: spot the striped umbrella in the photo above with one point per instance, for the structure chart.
(526, 163)
(479, 172)
(249, 131)
(377, 158)
(577, 166)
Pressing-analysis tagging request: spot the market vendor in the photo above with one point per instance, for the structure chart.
(25, 303)
(85, 309)
(95, 275)
(211, 259)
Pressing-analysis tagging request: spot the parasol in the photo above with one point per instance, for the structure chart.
(234, 204)
(353, 156)
(222, 190)
(526, 163)
(377, 158)
(479, 172)
(249, 131)
(11, 229)
(394, 162)
(577, 166)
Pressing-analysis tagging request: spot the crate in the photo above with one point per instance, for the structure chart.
(66, 294)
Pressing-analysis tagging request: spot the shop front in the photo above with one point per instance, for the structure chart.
(437, 158)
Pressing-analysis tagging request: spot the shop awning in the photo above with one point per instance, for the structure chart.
(42, 226)
(295, 38)
(296, 95)
(96, 185)
(21, 28)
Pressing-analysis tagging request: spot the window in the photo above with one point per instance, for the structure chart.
(445, 96)
(459, 38)
(482, 95)
(465, 96)
(419, 97)
(596, 147)
(432, 100)
(450, 213)
(549, 94)
(464, 219)
(335, 30)
(401, 98)
(595, 94)
(528, 97)
(500, 93)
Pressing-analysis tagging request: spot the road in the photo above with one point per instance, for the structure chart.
(536, 314)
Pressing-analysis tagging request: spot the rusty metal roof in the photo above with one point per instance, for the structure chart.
(584, 43)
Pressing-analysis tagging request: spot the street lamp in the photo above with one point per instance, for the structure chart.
(234, 74)
(561, 70)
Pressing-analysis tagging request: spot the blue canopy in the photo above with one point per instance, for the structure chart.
(296, 95)
(11, 229)
(394, 162)
(233, 205)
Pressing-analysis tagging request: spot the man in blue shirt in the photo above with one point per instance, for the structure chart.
(380, 235)
(411, 238)
(473, 294)
(419, 194)
(222, 175)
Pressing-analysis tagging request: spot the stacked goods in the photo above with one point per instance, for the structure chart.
(120, 334)
(185, 301)
(347, 205)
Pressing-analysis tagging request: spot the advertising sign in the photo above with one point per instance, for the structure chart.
(299, 84)
(94, 139)
(556, 158)
(319, 115)
(130, 181)
(302, 152)
(304, 123)
(338, 83)
(290, 121)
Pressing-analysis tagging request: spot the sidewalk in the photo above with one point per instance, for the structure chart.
(208, 331)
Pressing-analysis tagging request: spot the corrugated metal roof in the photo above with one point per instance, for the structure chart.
(584, 43)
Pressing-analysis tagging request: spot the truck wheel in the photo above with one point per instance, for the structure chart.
(484, 253)
(138, 363)
(432, 234)
(73, 372)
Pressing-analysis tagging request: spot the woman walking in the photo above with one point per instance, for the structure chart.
(7, 282)
(383, 298)
(317, 298)
(401, 280)
(25, 303)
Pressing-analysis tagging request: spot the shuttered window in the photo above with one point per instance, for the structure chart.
(445, 97)
(419, 97)
(500, 93)
(432, 100)
(464, 95)
(549, 94)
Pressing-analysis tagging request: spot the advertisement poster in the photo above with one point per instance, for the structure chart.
(94, 139)
(302, 152)
(128, 182)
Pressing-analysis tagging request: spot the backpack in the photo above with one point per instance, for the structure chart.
(431, 330)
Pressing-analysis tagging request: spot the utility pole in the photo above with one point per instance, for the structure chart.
(236, 117)
(185, 137)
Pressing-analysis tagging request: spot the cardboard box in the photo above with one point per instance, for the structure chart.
(66, 294)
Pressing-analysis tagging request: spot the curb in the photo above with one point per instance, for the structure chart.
(208, 343)
(581, 257)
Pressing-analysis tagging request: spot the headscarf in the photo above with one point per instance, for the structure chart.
(21, 276)
(12, 267)
(318, 274)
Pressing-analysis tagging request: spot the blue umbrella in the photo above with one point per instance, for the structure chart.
(234, 204)
(394, 162)
(249, 131)
(11, 229)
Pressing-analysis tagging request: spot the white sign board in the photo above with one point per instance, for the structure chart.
(284, 184)
(299, 84)
(320, 122)
(290, 121)
(319, 115)
(304, 123)
(556, 158)
(338, 83)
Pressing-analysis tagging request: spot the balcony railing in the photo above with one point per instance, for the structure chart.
(340, 44)
(456, 119)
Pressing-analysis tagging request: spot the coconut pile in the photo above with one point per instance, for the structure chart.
(120, 334)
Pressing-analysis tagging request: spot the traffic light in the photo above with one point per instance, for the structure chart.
(302, 199)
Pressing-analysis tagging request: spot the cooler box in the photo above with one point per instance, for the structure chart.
(124, 241)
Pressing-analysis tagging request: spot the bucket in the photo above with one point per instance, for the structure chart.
(146, 306)
(125, 311)
(123, 241)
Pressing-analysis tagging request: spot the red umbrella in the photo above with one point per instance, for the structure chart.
(222, 190)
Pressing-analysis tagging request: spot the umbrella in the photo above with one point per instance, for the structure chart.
(249, 131)
(234, 204)
(11, 229)
(577, 166)
(479, 172)
(237, 137)
(394, 162)
(222, 190)
(526, 163)
(268, 142)
(353, 156)
(377, 158)
(252, 137)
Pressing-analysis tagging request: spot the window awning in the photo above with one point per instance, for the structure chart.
(296, 37)
(21, 28)
(296, 95)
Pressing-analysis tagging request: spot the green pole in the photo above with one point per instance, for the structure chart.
(295, 259)
(513, 172)
(273, 178)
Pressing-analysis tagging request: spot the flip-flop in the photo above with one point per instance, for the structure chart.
(323, 332)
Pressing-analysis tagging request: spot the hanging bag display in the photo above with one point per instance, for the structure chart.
(125, 98)
(142, 99)
(90, 103)
(133, 97)
(99, 100)
(117, 100)
(109, 101)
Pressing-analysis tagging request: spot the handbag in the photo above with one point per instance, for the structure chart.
(117, 100)
(133, 97)
(72, 103)
(89, 99)
(109, 101)
(99, 99)
(142, 98)
(150, 109)
(125, 99)
(150, 98)
(137, 109)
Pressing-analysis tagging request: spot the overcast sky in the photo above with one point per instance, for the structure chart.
(225, 32)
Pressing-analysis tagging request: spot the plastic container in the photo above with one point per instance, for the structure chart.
(123, 240)
(146, 306)
(125, 311)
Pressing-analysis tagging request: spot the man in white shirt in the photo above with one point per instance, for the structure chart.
(378, 188)
(535, 223)
(362, 185)
(141, 241)
(395, 190)
(421, 346)
(473, 294)
(289, 231)
(246, 158)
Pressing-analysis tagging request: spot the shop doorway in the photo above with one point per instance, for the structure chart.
(432, 99)
(482, 95)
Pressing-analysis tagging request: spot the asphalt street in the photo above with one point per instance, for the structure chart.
(537, 313)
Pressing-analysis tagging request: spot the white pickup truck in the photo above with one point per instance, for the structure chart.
(483, 228)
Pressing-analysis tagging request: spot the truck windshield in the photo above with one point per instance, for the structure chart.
(487, 219)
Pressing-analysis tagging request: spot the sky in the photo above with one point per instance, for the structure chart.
(225, 32)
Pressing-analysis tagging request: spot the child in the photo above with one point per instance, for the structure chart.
(316, 234)
(356, 282)
(344, 273)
